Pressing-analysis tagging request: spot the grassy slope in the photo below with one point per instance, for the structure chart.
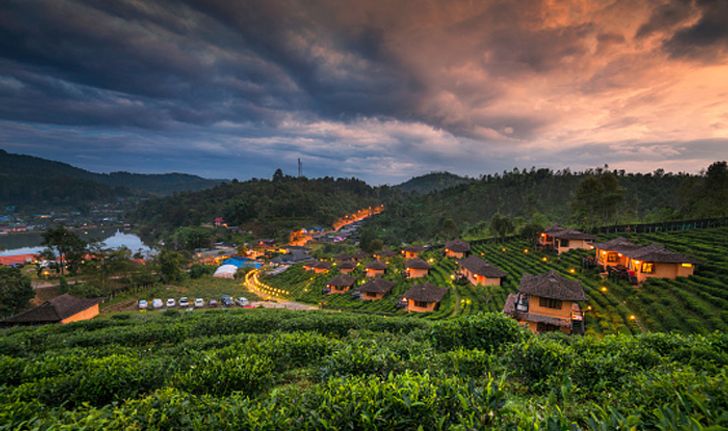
(696, 304)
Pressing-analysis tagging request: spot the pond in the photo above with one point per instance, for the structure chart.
(31, 242)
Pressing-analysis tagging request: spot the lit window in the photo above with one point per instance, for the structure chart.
(687, 265)
(549, 303)
(612, 257)
(648, 267)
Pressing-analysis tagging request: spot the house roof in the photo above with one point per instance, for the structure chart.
(426, 292)
(385, 253)
(553, 229)
(16, 259)
(552, 285)
(342, 280)
(458, 246)
(478, 266)
(347, 265)
(376, 265)
(572, 234)
(414, 248)
(344, 257)
(659, 254)
(619, 245)
(322, 264)
(416, 263)
(378, 285)
(54, 310)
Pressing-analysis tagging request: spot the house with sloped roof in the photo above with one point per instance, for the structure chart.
(412, 251)
(375, 268)
(457, 249)
(644, 261)
(546, 238)
(424, 298)
(347, 267)
(572, 239)
(340, 284)
(61, 309)
(375, 289)
(481, 273)
(548, 302)
(416, 268)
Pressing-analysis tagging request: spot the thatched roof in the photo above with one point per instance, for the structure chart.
(414, 248)
(55, 310)
(416, 263)
(322, 264)
(659, 254)
(347, 265)
(553, 229)
(573, 234)
(552, 285)
(378, 285)
(620, 245)
(376, 265)
(427, 292)
(478, 266)
(385, 253)
(342, 280)
(458, 246)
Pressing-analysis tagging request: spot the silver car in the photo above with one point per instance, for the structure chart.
(157, 303)
(171, 302)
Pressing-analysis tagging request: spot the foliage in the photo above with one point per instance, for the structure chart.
(501, 226)
(16, 291)
(67, 246)
(189, 238)
(597, 198)
(170, 263)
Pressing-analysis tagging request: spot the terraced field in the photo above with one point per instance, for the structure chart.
(696, 304)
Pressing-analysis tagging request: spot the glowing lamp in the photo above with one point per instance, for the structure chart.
(632, 317)
(686, 265)
(604, 289)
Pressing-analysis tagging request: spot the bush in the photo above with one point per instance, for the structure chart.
(536, 360)
(249, 374)
(488, 331)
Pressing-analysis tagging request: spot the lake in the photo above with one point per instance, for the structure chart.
(112, 238)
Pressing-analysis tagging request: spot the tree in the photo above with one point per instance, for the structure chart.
(501, 225)
(170, 265)
(278, 175)
(15, 291)
(596, 199)
(191, 237)
(448, 228)
(239, 211)
(531, 231)
(67, 246)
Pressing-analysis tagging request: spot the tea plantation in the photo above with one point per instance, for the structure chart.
(276, 369)
(698, 304)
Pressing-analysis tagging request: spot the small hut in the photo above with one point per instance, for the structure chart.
(457, 249)
(375, 269)
(412, 251)
(480, 272)
(61, 309)
(340, 284)
(416, 268)
(423, 298)
(376, 289)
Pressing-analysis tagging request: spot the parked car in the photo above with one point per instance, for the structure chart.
(212, 303)
(355, 294)
(242, 301)
(171, 302)
(199, 302)
(184, 302)
(157, 303)
(227, 301)
(143, 304)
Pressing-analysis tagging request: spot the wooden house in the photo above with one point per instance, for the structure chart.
(61, 309)
(319, 267)
(416, 268)
(384, 255)
(375, 268)
(346, 267)
(376, 289)
(412, 251)
(571, 239)
(548, 302)
(424, 298)
(457, 249)
(480, 272)
(644, 261)
(340, 284)
(546, 239)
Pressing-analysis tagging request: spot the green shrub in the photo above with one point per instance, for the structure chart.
(249, 374)
(538, 359)
(488, 331)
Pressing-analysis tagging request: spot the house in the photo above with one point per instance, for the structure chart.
(457, 249)
(319, 267)
(384, 255)
(548, 302)
(376, 289)
(340, 284)
(61, 309)
(643, 262)
(416, 268)
(546, 239)
(424, 298)
(480, 272)
(375, 269)
(294, 256)
(412, 251)
(571, 239)
(17, 259)
(346, 267)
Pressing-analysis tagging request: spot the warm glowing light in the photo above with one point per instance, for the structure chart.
(572, 270)
(545, 259)
(525, 250)
(589, 307)
(687, 265)
(604, 289)
(632, 317)
(503, 249)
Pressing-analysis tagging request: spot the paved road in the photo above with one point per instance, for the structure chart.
(271, 299)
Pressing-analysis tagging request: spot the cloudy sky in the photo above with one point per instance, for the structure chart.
(382, 90)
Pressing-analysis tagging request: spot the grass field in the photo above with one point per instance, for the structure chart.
(697, 304)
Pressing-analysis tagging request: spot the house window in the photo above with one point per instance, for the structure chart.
(422, 304)
(612, 258)
(549, 303)
(546, 327)
(564, 243)
(648, 268)
(370, 295)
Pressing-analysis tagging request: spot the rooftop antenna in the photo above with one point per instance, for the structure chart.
(300, 168)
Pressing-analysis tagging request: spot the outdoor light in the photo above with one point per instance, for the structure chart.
(545, 259)
(525, 250)
(604, 289)
(632, 317)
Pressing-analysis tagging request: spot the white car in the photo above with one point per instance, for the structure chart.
(157, 303)
(143, 304)
(242, 301)
(184, 302)
(199, 302)
(171, 302)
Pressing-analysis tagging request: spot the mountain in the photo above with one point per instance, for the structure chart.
(37, 182)
(432, 182)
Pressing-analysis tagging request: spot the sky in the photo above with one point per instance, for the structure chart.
(380, 90)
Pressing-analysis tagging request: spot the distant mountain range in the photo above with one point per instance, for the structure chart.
(34, 181)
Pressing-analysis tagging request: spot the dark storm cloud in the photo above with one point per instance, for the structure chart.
(406, 86)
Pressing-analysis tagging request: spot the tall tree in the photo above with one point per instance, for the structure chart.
(501, 226)
(15, 291)
(597, 199)
(170, 265)
(68, 247)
